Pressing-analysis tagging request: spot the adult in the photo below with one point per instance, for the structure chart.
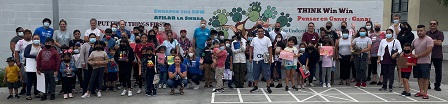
(84, 54)
(76, 39)
(423, 46)
(260, 24)
(177, 75)
(170, 43)
(124, 58)
(30, 54)
(114, 27)
(93, 29)
(135, 33)
(329, 32)
(45, 31)
(364, 43)
(107, 39)
(238, 47)
(194, 66)
(261, 47)
(310, 36)
(20, 59)
(122, 29)
(61, 37)
(276, 66)
(376, 37)
(152, 38)
(184, 43)
(277, 30)
(396, 26)
(163, 35)
(344, 56)
(405, 35)
(15, 39)
(436, 55)
(201, 34)
(369, 26)
(388, 50)
(249, 64)
(142, 29)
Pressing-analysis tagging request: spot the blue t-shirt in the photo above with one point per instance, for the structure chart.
(201, 36)
(112, 66)
(118, 33)
(172, 68)
(44, 33)
(110, 43)
(193, 66)
(303, 57)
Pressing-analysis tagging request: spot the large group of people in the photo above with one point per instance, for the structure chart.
(157, 59)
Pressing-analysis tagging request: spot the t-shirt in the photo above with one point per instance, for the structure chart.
(172, 68)
(362, 42)
(112, 66)
(62, 37)
(44, 33)
(139, 47)
(420, 45)
(169, 45)
(118, 33)
(327, 61)
(97, 32)
(310, 38)
(376, 40)
(437, 49)
(410, 60)
(110, 43)
(162, 36)
(260, 47)
(73, 42)
(303, 57)
(222, 55)
(12, 73)
(193, 66)
(291, 62)
(272, 35)
(149, 64)
(201, 35)
(20, 46)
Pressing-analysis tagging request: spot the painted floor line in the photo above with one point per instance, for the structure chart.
(373, 95)
(267, 97)
(297, 99)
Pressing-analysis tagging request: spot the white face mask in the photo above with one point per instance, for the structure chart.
(368, 27)
(190, 54)
(202, 25)
(227, 45)
(20, 34)
(279, 39)
(46, 24)
(221, 37)
(114, 29)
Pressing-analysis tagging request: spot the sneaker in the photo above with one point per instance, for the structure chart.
(10, 97)
(123, 93)
(17, 96)
(286, 88)
(43, 98)
(295, 88)
(250, 84)
(278, 86)
(86, 95)
(217, 90)
(314, 79)
(373, 83)
(437, 89)
(302, 86)
(363, 85)
(311, 84)
(196, 87)
(230, 86)
(271, 85)
(391, 90)
(269, 90)
(65, 96)
(255, 89)
(328, 85)
(357, 85)
(324, 85)
(403, 93)
(52, 97)
(379, 83)
(418, 94)
(160, 86)
(408, 94)
(154, 93)
(222, 89)
(383, 89)
(129, 93)
(98, 94)
(70, 95)
(139, 91)
(164, 86)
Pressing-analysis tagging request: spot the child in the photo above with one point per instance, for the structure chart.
(112, 69)
(161, 66)
(67, 69)
(220, 55)
(12, 75)
(312, 61)
(327, 64)
(48, 61)
(229, 60)
(406, 72)
(290, 65)
(76, 57)
(150, 70)
(98, 59)
(303, 62)
(208, 61)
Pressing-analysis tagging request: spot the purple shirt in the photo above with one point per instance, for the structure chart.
(376, 40)
(420, 45)
(437, 49)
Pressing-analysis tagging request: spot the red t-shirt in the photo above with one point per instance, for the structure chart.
(410, 60)
(139, 47)
(310, 38)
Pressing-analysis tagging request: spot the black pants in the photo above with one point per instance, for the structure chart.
(32, 81)
(50, 83)
(138, 78)
(352, 65)
(372, 67)
(96, 79)
(87, 75)
(239, 70)
(67, 84)
(195, 78)
(125, 74)
(388, 74)
(78, 73)
(345, 68)
(438, 69)
(312, 69)
(150, 88)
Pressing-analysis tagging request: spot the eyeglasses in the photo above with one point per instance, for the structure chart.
(432, 23)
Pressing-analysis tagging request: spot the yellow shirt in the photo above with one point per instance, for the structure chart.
(12, 73)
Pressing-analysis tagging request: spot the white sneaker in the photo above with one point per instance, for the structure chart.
(98, 94)
(86, 95)
(129, 93)
(196, 87)
(314, 79)
(164, 86)
(311, 84)
(123, 93)
(328, 85)
(70, 95)
(139, 91)
(324, 85)
(160, 86)
(65, 96)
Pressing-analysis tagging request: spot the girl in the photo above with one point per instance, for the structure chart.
(124, 57)
(194, 66)
(363, 42)
(98, 59)
(386, 58)
(344, 53)
(303, 61)
(112, 69)
(149, 66)
(68, 69)
(249, 64)
(276, 66)
(327, 64)
(290, 65)
(161, 65)
(219, 55)
(76, 57)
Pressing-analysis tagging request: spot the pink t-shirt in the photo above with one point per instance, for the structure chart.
(420, 45)
(221, 58)
(327, 61)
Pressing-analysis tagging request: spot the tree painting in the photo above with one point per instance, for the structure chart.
(240, 17)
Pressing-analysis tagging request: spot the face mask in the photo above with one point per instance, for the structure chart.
(98, 48)
(46, 24)
(92, 40)
(208, 45)
(227, 45)
(66, 60)
(403, 29)
(135, 34)
(215, 37)
(222, 48)
(20, 34)
(395, 21)
(328, 27)
(279, 39)
(123, 46)
(407, 51)
(368, 27)
(76, 51)
(36, 42)
(250, 38)
(114, 29)
(202, 25)
(151, 36)
(221, 37)
(302, 49)
(48, 46)
(277, 29)
(190, 54)
(377, 29)
(137, 41)
(388, 36)
(310, 47)
(345, 35)
(343, 27)
(108, 37)
(362, 34)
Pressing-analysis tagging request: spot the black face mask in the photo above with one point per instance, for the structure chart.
(310, 48)
(407, 51)
(343, 27)
(151, 36)
(328, 27)
(377, 29)
(48, 46)
(135, 34)
(208, 45)
(122, 46)
(66, 61)
(277, 29)
(403, 28)
(137, 41)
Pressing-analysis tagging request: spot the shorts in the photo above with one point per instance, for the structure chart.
(14, 85)
(405, 75)
(422, 71)
(290, 67)
(112, 76)
(261, 67)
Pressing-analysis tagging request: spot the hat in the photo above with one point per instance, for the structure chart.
(10, 59)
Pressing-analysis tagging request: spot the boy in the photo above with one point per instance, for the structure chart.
(208, 61)
(229, 60)
(12, 74)
(220, 55)
(112, 69)
(161, 66)
(150, 70)
(406, 72)
(48, 63)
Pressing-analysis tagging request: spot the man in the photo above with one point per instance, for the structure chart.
(114, 28)
(260, 24)
(422, 46)
(436, 55)
(122, 28)
(259, 47)
(45, 31)
(93, 29)
(238, 47)
(15, 39)
(142, 29)
(20, 59)
(310, 36)
(201, 34)
(184, 42)
(48, 61)
(277, 29)
(396, 25)
(135, 33)
(162, 34)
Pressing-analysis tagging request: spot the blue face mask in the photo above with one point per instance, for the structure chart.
(362, 34)
(345, 35)
(92, 40)
(250, 38)
(222, 48)
(36, 42)
(388, 36)
(395, 21)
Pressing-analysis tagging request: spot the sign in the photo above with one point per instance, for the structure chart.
(326, 50)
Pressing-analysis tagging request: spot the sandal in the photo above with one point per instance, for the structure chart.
(341, 83)
(37, 96)
(172, 92)
(29, 98)
(181, 90)
(348, 84)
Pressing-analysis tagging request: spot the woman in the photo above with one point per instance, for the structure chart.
(369, 27)
(170, 43)
(386, 58)
(276, 66)
(177, 75)
(343, 49)
(194, 66)
(124, 58)
(139, 56)
(376, 37)
(249, 64)
(61, 36)
(152, 38)
(362, 43)
(30, 54)
(86, 49)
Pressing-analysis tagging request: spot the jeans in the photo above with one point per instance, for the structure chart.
(163, 76)
(149, 83)
(239, 70)
(174, 83)
(67, 84)
(326, 73)
(278, 66)
(261, 67)
(388, 74)
(250, 71)
(32, 81)
(360, 67)
(49, 81)
(438, 69)
(218, 77)
(96, 79)
(196, 78)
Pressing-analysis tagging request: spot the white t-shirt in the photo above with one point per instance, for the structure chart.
(272, 34)
(169, 46)
(293, 62)
(20, 46)
(362, 42)
(261, 47)
(97, 32)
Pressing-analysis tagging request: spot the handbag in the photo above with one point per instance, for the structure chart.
(393, 52)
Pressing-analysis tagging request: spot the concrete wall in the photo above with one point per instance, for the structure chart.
(432, 10)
